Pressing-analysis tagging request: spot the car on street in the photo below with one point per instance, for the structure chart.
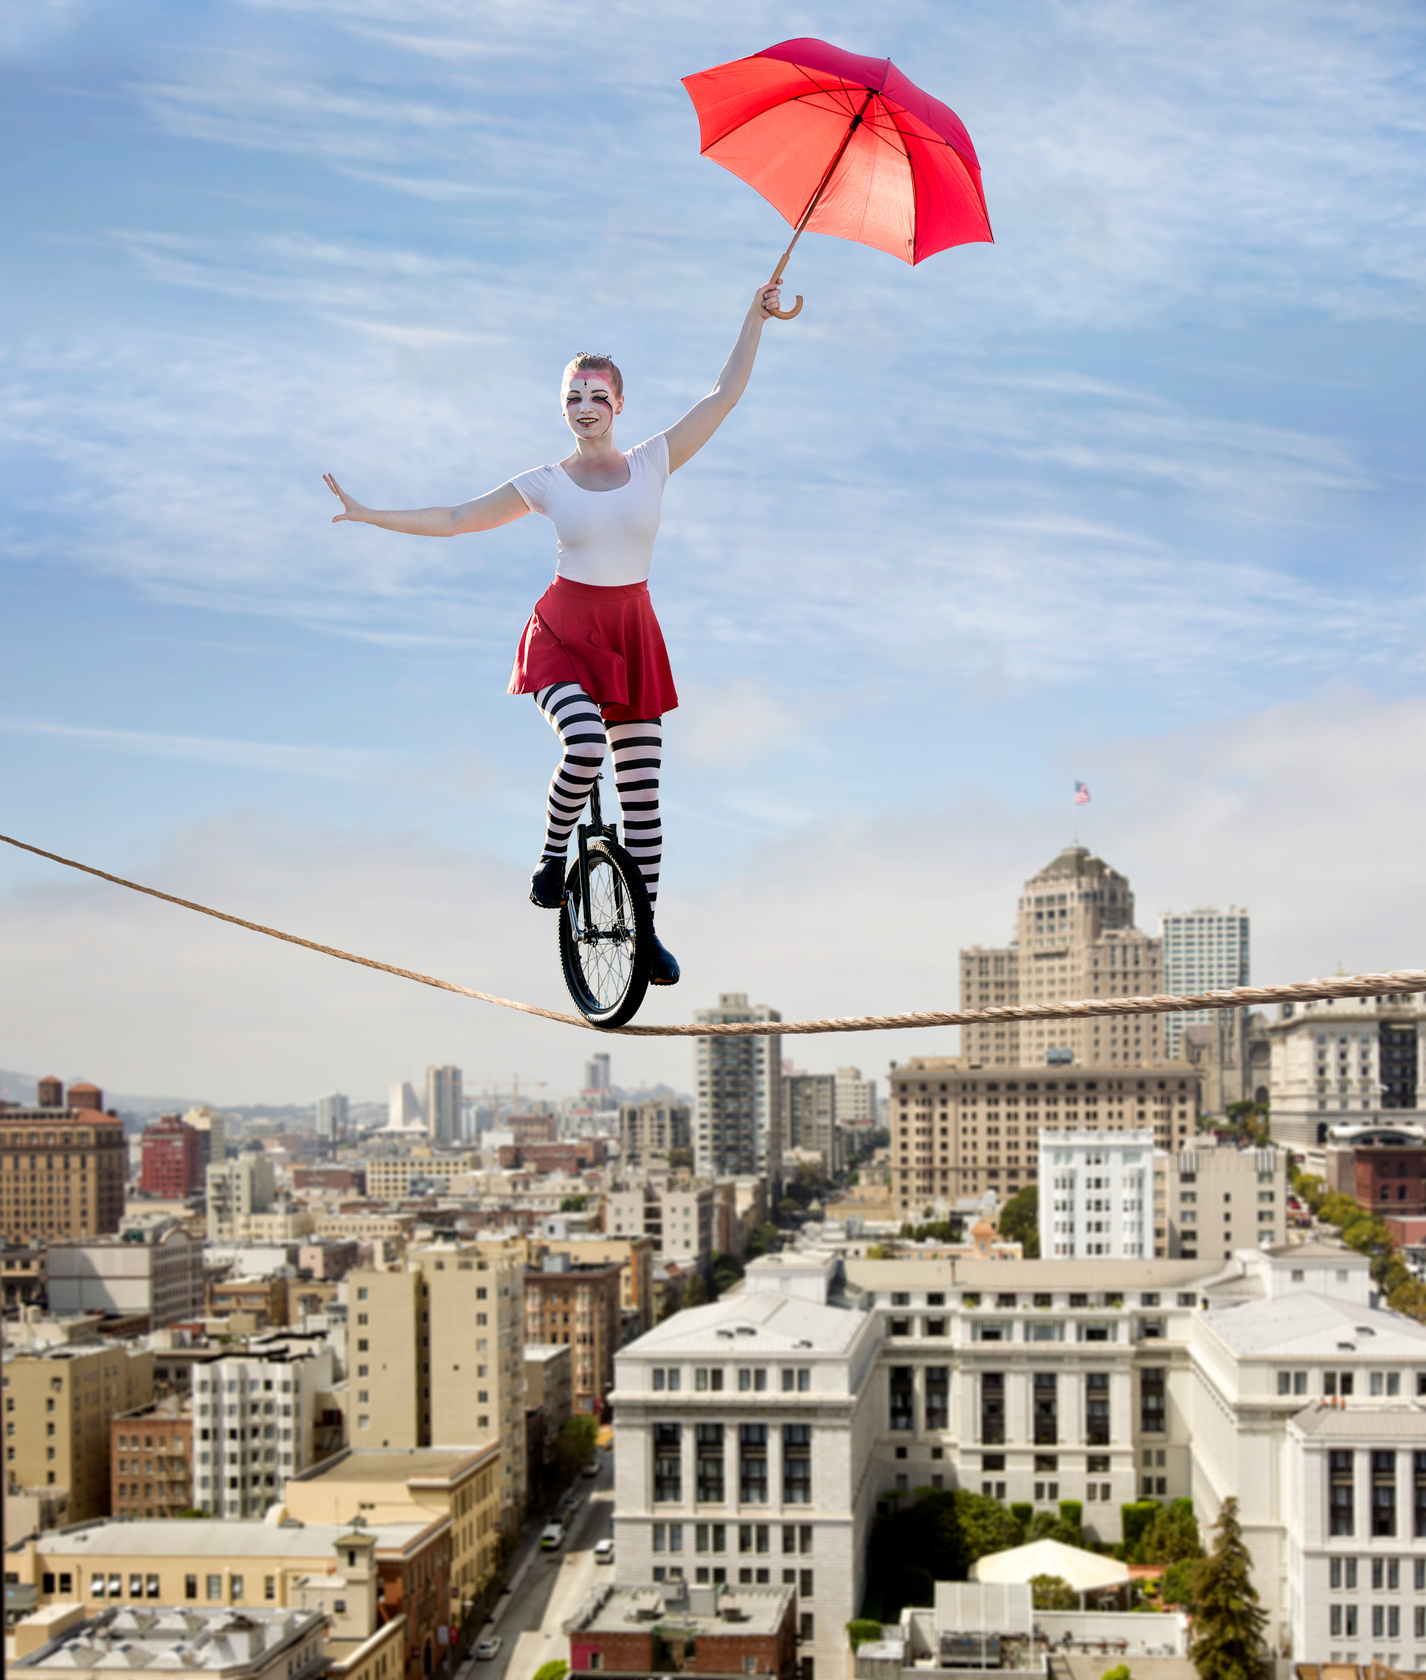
(592, 1468)
(552, 1538)
(487, 1648)
(604, 1551)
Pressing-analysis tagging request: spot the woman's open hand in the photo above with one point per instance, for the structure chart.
(351, 508)
(767, 298)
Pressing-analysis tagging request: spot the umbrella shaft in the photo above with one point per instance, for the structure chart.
(822, 186)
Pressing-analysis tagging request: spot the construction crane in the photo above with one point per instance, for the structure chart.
(493, 1090)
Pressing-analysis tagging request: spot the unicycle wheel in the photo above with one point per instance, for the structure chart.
(606, 963)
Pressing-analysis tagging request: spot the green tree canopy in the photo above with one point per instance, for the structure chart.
(1020, 1221)
(574, 1204)
(1053, 1592)
(1226, 1641)
(1172, 1536)
(555, 1670)
(696, 1292)
(681, 1160)
(861, 1630)
(575, 1444)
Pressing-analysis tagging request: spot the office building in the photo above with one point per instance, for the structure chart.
(680, 1220)
(1096, 1195)
(738, 1108)
(154, 1271)
(1207, 951)
(435, 1356)
(597, 1075)
(732, 1630)
(744, 1432)
(809, 1117)
(632, 1254)
(237, 1190)
(1075, 938)
(1212, 1203)
(444, 1104)
(1345, 1061)
(578, 1304)
(855, 1098)
(59, 1402)
(460, 1485)
(1383, 1168)
(332, 1118)
(173, 1163)
(151, 1460)
(403, 1108)
(63, 1166)
(958, 1131)
(263, 1644)
(256, 1418)
(549, 1390)
(649, 1131)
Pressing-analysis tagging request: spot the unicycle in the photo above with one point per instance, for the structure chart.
(606, 925)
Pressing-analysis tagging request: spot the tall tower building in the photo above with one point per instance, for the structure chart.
(332, 1117)
(1075, 938)
(738, 1109)
(1205, 950)
(443, 1104)
(597, 1073)
(403, 1107)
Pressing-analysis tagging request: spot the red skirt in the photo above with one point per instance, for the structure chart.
(605, 639)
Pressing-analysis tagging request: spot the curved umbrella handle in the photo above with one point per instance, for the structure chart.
(787, 314)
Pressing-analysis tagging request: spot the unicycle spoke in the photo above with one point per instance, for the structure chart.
(606, 955)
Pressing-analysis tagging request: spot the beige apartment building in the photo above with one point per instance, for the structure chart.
(436, 1355)
(62, 1169)
(958, 1131)
(1214, 1202)
(648, 1131)
(376, 1487)
(578, 1305)
(59, 1403)
(394, 1178)
(1074, 938)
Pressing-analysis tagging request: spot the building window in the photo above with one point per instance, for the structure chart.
(937, 1397)
(1096, 1409)
(992, 1408)
(754, 1537)
(708, 1378)
(1384, 1495)
(1419, 1503)
(709, 1440)
(190, 1586)
(1047, 1411)
(796, 1464)
(214, 1587)
(1341, 1496)
(752, 1463)
(903, 1416)
(668, 1464)
(1152, 1397)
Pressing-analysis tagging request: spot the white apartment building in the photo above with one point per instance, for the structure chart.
(1097, 1195)
(1037, 1381)
(856, 1097)
(681, 1220)
(1204, 951)
(444, 1101)
(1344, 1061)
(744, 1433)
(738, 1106)
(255, 1420)
(238, 1189)
(153, 1269)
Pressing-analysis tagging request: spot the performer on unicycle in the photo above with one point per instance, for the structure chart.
(592, 653)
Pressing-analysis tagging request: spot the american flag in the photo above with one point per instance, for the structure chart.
(1081, 793)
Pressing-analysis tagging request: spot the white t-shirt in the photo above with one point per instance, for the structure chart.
(606, 537)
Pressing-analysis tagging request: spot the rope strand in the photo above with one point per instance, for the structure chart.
(1401, 980)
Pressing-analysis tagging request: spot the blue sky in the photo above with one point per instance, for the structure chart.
(1133, 495)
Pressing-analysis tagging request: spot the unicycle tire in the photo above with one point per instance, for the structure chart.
(606, 966)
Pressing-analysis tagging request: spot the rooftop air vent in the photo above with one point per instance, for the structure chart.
(746, 1330)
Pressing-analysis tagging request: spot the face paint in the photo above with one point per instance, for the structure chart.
(589, 404)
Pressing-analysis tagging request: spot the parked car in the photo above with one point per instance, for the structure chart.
(592, 1468)
(604, 1551)
(487, 1648)
(552, 1538)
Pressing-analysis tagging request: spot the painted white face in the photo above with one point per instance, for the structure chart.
(589, 403)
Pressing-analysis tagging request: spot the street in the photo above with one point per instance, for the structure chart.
(552, 1588)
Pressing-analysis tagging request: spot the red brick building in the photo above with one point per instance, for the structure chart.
(572, 1156)
(1381, 1167)
(415, 1582)
(580, 1305)
(673, 1628)
(151, 1460)
(172, 1159)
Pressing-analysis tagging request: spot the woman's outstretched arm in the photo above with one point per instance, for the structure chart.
(483, 513)
(687, 436)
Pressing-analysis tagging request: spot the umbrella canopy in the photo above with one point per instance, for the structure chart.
(1084, 1571)
(844, 145)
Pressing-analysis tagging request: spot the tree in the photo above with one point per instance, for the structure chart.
(1172, 1536)
(1226, 1642)
(575, 1445)
(1177, 1586)
(763, 1239)
(555, 1670)
(680, 1159)
(861, 1630)
(1134, 1522)
(574, 1204)
(1020, 1221)
(727, 1270)
(696, 1292)
(1120, 1671)
(1053, 1592)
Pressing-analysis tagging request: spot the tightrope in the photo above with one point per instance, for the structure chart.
(1398, 981)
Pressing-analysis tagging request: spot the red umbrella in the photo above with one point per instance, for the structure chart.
(845, 145)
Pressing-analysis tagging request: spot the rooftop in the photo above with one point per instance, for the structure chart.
(1354, 1423)
(210, 1538)
(1307, 1326)
(753, 1324)
(745, 1611)
(399, 1465)
(187, 1640)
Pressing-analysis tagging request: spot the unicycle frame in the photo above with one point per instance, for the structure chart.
(610, 925)
(596, 825)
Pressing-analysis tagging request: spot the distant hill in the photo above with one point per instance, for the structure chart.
(23, 1088)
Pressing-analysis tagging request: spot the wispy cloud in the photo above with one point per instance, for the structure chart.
(340, 764)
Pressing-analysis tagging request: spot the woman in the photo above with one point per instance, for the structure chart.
(592, 653)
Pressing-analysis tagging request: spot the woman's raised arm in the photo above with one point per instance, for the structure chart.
(482, 513)
(687, 436)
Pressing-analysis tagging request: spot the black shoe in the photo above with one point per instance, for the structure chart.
(547, 884)
(663, 971)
